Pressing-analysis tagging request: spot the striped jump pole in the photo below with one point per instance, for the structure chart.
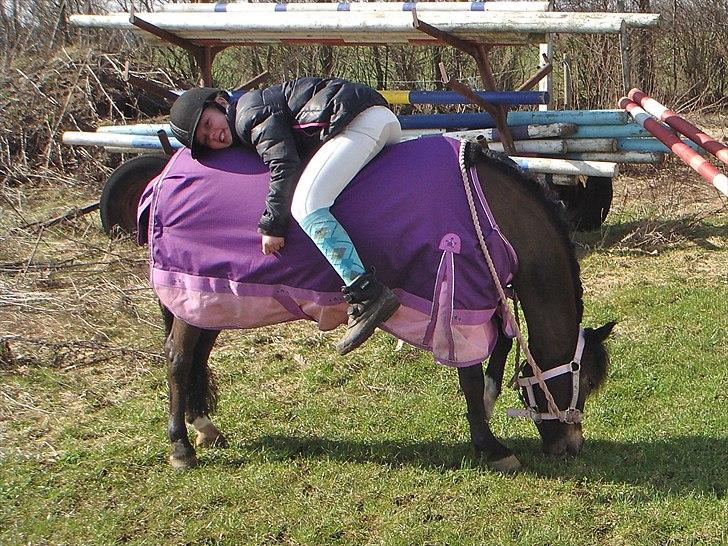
(356, 6)
(450, 97)
(502, 27)
(681, 125)
(679, 148)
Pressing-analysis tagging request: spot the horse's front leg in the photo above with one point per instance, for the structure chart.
(180, 350)
(494, 372)
(498, 456)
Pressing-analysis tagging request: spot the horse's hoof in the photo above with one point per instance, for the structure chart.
(210, 440)
(183, 456)
(508, 464)
(183, 463)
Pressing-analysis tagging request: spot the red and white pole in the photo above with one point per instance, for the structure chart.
(679, 148)
(681, 125)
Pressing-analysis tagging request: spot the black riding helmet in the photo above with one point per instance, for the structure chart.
(186, 112)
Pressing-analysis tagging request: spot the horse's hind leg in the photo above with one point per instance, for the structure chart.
(498, 456)
(494, 372)
(180, 351)
(202, 395)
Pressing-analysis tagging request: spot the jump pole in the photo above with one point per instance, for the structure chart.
(651, 145)
(560, 146)
(519, 132)
(619, 157)
(373, 27)
(567, 166)
(139, 129)
(356, 6)
(415, 96)
(484, 121)
(680, 124)
(633, 130)
(115, 140)
(679, 148)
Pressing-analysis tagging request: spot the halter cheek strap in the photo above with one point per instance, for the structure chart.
(571, 414)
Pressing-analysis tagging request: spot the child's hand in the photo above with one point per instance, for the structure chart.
(272, 244)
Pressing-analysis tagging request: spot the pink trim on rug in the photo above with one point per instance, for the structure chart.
(223, 311)
(195, 283)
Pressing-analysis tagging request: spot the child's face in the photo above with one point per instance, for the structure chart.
(213, 130)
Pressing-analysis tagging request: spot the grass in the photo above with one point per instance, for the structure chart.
(368, 449)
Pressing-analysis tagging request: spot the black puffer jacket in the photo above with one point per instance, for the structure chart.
(287, 123)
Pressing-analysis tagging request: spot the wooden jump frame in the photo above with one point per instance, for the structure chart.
(205, 55)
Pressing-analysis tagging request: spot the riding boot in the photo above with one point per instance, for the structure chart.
(370, 304)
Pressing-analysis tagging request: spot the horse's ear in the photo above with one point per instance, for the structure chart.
(603, 332)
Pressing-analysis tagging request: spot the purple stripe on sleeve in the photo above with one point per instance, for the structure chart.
(312, 124)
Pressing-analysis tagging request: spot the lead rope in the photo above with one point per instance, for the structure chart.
(517, 364)
(553, 408)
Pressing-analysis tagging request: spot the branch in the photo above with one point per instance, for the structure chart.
(70, 215)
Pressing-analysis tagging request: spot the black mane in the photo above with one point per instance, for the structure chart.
(550, 201)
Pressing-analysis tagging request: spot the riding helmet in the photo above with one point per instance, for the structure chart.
(186, 112)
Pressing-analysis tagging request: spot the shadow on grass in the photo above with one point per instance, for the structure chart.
(681, 464)
(651, 234)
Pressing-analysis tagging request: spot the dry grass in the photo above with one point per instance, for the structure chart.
(70, 300)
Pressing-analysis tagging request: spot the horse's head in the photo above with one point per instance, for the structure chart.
(560, 438)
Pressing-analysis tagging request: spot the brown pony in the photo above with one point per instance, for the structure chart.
(549, 290)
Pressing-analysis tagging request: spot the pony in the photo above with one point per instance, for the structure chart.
(526, 223)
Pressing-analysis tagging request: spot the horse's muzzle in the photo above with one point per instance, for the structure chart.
(568, 441)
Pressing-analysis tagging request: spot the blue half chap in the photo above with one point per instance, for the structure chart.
(334, 243)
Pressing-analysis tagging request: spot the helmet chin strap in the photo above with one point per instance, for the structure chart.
(569, 415)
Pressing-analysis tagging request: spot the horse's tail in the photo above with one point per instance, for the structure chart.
(202, 390)
(168, 319)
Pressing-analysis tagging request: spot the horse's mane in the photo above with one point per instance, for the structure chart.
(545, 196)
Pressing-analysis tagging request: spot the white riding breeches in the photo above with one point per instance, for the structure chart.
(339, 160)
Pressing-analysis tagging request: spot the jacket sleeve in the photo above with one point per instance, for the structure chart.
(271, 135)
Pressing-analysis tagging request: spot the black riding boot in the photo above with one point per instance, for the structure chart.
(370, 304)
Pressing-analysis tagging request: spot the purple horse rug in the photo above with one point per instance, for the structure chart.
(406, 213)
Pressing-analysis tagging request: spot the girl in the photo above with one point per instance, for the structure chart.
(315, 135)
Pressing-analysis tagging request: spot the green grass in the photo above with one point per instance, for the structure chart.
(374, 448)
